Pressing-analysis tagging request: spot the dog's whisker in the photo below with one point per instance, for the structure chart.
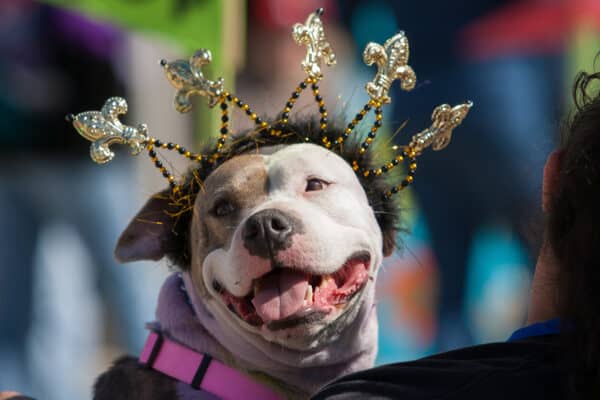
(384, 212)
(415, 257)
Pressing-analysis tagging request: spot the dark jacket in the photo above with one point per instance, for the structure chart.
(525, 369)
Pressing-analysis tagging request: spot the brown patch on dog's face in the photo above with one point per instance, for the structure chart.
(238, 185)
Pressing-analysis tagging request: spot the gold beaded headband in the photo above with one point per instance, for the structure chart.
(103, 128)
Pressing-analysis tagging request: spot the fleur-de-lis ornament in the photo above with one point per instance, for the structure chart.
(318, 50)
(187, 78)
(392, 63)
(444, 119)
(103, 128)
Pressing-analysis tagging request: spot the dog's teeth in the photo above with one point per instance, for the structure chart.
(308, 297)
(325, 281)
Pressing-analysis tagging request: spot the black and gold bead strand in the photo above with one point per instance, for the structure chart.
(376, 125)
(246, 108)
(159, 144)
(409, 157)
(355, 121)
(285, 114)
(158, 164)
(352, 125)
(262, 125)
(224, 130)
(322, 112)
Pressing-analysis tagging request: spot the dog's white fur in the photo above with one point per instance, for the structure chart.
(338, 222)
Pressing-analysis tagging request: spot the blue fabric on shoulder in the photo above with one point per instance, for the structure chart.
(550, 327)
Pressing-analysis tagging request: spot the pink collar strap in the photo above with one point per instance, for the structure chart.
(201, 371)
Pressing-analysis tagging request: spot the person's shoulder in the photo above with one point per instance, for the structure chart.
(524, 369)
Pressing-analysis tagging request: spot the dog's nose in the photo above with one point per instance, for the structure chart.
(267, 232)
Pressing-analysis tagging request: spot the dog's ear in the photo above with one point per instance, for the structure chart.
(149, 236)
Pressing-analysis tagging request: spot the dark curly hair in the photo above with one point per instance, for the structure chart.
(573, 229)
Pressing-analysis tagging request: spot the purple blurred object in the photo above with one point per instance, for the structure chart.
(101, 39)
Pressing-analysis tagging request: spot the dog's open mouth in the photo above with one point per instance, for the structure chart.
(286, 297)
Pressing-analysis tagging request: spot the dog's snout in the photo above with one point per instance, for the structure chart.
(267, 232)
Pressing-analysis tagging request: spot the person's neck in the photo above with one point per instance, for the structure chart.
(543, 298)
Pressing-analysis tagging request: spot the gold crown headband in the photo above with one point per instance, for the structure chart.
(103, 128)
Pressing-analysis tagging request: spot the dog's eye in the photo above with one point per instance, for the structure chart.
(314, 184)
(223, 208)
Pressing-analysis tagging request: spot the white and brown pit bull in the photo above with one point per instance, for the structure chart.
(284, 248)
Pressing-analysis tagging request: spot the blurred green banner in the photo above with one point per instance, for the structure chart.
(582, 55)
(191, 23)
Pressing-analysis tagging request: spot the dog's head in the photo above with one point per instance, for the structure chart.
(283, 241)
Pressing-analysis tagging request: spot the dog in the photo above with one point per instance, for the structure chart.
(276, 235)
(283, 245)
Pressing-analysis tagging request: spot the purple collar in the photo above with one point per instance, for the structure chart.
(200, 370)
(293, 372)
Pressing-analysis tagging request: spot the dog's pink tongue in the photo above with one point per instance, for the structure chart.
(280, 295)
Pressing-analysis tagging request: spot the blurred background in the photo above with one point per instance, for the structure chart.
(463, 273)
